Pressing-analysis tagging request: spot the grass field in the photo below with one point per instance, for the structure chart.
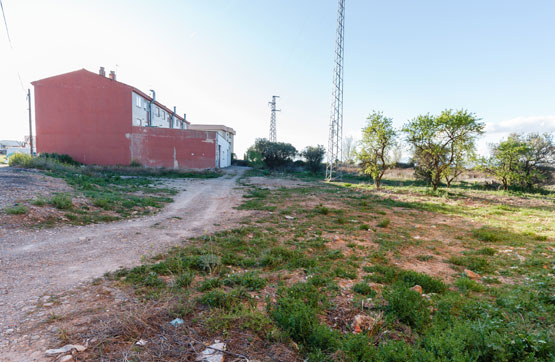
(103, 194)
(340, 272)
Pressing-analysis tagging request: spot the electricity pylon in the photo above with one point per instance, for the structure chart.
(335, 148)
(273, 135)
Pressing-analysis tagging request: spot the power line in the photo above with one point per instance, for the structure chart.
(11, 46)
(335, 147)
(6, 24)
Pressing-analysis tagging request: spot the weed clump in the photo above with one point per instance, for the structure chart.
(62, 201)
(407, 306)
(384, 223)
(249, 280)
(390, 274)
(16, 210)
(364, 289)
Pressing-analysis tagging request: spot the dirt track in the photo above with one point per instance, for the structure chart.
(34, 263)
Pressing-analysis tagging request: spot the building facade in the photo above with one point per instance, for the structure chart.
(98, 120)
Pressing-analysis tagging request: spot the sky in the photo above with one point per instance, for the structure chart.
(220, 61)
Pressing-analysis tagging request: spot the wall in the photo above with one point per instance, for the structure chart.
(224, 148)
(85, 116)
(173, 148)
(90, 118)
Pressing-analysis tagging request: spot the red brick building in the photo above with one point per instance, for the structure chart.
(98, 120)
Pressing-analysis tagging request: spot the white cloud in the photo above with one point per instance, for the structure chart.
(522, 125)
(526, 124)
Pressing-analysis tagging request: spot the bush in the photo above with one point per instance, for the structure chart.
(62, 158)
(364, 289)
(249, 280)
(184, 280)
(407, 306)
(384, 223)
(16, 210)
(390, 274)
(20, 160)
(62, 201)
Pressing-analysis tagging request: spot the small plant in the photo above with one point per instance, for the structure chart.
(62, 201)
(184, 280)
(487, 233)
(39, 201)
(209, 284)
(384, 223)
(16, 210)
(320, 209)
(249, 280)
(364, 289)
(424, 257)
(465, 285)
(473, 263)
(21, 160)
(407, 306)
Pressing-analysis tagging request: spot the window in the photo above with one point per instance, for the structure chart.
(163, 115)
(157, 111)
(138, 102)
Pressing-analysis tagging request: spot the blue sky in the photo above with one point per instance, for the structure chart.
(221, 61)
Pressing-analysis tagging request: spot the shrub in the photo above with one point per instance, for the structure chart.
(16, 210)
(220, 299)
(473, 263)
(364, 289)
(62, 201)
(390, 274)
(209, 284)
(249, 280)
(21, 160)
(465, 285)
(490, 234)
(407, 306)
(384, 223)
(62, 158)
(184, 280)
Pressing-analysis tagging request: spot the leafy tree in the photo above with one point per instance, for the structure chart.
(273, 154)
(378, 138)
(438, 141)
(314, 156)
(522, 161)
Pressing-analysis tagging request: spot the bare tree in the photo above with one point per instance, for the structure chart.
(349, 148)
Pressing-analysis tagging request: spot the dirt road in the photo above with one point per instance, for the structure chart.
(34, 263)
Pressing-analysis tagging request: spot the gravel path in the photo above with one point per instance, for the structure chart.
(34, 263)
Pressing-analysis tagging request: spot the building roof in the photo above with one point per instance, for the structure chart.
(136, 90)
(212, 127)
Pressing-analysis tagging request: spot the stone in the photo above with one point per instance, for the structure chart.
(65, 349)
(417, 288)
(213, 353)
(471, 274)
(66, 358)
(363, 322)
(289, 217)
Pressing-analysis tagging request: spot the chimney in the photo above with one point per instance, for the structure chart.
(102, 72)
(112, 75)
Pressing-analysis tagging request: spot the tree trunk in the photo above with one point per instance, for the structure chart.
(378, 183)
(449, 183)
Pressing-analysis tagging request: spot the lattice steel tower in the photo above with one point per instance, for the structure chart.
(335, 149)
(273, 136)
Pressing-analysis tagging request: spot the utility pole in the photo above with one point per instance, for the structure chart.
(273, 136)
(30, 121)
(335, 147)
